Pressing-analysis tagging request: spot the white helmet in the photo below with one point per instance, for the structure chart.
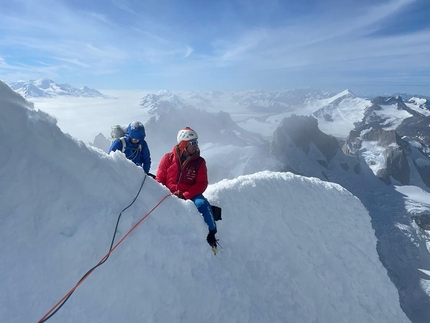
(186, 135)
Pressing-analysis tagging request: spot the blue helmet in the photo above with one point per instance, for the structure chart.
(136, 130)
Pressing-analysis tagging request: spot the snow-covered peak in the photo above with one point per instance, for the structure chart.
(165, 94)
(419, 105)
(47, 88)
(336, 115)
(44, 83)
(384, 113)
(161, 102)
(347, 93)
(418, 101)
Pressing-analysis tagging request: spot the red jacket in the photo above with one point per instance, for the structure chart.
(191, 177)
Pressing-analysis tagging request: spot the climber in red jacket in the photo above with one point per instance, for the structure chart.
(184, 172)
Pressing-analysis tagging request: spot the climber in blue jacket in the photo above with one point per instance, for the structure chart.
(134, 146)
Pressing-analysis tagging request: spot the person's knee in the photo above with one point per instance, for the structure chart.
(200, 201)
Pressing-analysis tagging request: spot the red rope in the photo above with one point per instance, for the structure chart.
(105, 256)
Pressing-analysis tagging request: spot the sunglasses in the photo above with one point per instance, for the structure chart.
(193, 143)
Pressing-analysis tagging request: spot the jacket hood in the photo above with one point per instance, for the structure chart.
(136, 130)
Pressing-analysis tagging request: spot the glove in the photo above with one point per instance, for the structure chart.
(211, 238)
(179, 194)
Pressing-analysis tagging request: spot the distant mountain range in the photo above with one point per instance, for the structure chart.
(252, 101)
(321, 104)
(46, 88)
(392, 133)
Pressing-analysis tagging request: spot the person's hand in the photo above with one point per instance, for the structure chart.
(179, 194)
(211, 238)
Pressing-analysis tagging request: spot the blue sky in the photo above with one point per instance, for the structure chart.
(367, 46)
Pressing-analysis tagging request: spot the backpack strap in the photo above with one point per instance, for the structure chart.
(124, 144)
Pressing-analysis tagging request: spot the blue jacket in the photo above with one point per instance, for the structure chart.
(136, 152)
